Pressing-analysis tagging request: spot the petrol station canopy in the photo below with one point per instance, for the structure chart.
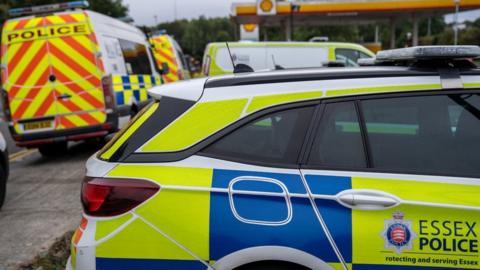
(342, 12)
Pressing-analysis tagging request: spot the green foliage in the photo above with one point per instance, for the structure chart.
(194, 35)
(334, 33)
(113, 8)
(54, 259)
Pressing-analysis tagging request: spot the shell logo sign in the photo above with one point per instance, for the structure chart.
(266, 7)
(249, 27)
(250, 32)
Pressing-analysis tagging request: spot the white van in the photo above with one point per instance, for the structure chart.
(279, 55)
(69, 74)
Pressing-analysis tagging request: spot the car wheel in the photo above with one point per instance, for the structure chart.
(3, 185)
(54, 149)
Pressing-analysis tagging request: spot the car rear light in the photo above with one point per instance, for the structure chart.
(105, 197)
(107, 87)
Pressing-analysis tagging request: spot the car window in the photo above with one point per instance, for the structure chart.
(350, 56)
(145, 126)
(136, 57)
(363, 55)
(338, 141)
(275, 138)
(428, 134)
(261, 58)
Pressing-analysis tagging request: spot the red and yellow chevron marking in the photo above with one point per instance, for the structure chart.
(60, 45)
(165, 53)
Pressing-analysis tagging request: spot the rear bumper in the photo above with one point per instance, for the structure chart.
(77, 134)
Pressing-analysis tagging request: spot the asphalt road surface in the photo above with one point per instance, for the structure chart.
(42, 202)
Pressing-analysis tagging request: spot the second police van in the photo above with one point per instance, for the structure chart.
(70, 74)
(169, 57)
(343, 168)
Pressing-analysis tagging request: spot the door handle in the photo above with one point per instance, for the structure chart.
(365, 199)
(64, 96)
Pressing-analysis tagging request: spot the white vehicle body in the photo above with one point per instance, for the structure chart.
(109, 31)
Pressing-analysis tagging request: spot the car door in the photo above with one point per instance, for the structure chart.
(401, 175)
(261, 199)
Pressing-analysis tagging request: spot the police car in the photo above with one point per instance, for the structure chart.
(372, 167)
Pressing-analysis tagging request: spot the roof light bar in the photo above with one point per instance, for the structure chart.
(428, 53)
(15, 12)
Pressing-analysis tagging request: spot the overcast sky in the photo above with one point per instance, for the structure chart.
(144, 11)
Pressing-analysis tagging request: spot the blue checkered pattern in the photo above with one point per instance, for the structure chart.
(133, 87)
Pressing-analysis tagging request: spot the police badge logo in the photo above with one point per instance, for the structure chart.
(398, 233)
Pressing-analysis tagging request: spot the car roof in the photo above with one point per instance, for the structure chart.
(286, 43)
(306, 80)
(303, 74)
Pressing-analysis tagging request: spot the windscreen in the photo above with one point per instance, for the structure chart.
(262, 58)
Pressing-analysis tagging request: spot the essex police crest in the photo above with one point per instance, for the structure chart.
(398, 233)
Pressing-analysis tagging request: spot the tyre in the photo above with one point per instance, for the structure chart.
(54, 149)
(3, 185)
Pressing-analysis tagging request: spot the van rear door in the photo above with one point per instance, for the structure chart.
(76, 70)
(52, 73)
(25, 76)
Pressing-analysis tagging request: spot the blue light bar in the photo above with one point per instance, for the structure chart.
(429, 53)
(15, 12)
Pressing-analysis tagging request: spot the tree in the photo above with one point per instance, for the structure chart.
(113, 8)
(195, 34)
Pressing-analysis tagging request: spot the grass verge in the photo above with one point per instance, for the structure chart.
(55, 258)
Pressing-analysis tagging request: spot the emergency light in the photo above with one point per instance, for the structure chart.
(15, 12)
(429, 53)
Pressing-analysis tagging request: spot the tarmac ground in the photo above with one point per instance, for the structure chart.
(42, 200)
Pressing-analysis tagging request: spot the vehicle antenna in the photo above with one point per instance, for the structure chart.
(231, 56)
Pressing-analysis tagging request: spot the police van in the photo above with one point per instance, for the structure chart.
(373, 167)
(169, 57)
(70, 74)
(217, 59)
